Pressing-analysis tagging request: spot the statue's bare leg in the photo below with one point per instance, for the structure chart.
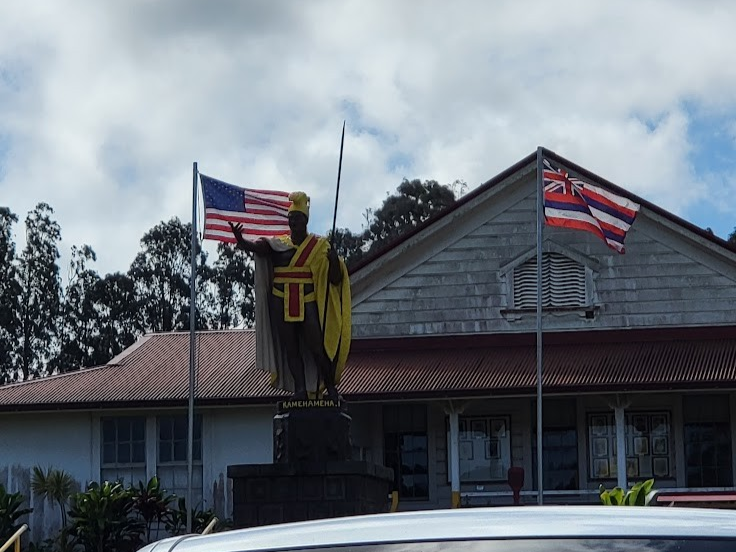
(315, 341)
(295, 361)
(289, 337)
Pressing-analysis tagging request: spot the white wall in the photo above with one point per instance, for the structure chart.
(71, 442)
(232, 436)
(58, 440)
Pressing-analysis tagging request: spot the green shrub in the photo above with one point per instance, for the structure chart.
(177, 522)
(114, 518)
(639, 495)
(10, 513)
(151, 503)
(103, 519)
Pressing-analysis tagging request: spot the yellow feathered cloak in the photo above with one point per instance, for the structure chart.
(337, 336)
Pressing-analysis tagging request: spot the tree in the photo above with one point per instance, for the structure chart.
(160, 273)
(79, 323)
(414, 203)
(732, 237)
(40, 299)
(234, 297)
(53, 485)
(9, 297)
(119, 316)
(349, 246)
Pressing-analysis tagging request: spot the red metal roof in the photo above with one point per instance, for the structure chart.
(156, 369)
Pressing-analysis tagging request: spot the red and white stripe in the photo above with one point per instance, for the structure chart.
(266, 215)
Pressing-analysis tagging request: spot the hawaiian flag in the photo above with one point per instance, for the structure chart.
(573, 203)
(262, 213)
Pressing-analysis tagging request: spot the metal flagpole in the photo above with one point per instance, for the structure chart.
(192, 349)
(540, 225)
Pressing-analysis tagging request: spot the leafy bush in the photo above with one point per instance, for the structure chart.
(10, 513)
(177, 522)
(639, 495)
(151, 503)
(103, 519)
(114, 518)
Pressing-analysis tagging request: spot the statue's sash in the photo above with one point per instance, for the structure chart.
(294, 277)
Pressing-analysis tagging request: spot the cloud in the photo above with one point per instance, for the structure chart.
(104, 106)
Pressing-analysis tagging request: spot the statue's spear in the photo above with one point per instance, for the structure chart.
(334, 222)
(337, 191)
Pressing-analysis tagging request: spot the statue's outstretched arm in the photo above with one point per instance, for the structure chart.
(259, 247)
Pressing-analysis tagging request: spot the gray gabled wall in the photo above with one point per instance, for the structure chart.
(450, 279)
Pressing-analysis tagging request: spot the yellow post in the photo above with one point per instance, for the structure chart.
(455, 499)
(394, 501)
(14, 540)
(210, 526)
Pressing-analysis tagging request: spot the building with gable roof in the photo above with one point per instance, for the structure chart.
(639, 367)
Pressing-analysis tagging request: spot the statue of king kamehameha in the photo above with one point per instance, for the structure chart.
(303, 325)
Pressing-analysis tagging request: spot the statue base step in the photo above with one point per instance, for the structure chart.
(266, 494)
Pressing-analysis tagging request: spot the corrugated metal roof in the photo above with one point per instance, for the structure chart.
(156, 370)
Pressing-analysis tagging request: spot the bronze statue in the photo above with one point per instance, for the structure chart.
(303, 326)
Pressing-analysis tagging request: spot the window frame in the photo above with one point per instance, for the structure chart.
(546, 455)
(411, 430)
(197, 441)
(701, 413)
(490, 419)
(633, 438)
(116, 443)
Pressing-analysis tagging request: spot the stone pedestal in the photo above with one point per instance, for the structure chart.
(277, 493)
(315, 433)
(312, 475)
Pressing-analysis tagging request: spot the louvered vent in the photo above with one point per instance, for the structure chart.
(563, 283)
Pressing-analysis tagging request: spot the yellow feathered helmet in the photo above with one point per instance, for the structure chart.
(299, 203)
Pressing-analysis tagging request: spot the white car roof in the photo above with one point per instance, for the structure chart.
(472, 523)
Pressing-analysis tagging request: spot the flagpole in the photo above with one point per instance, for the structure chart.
(540, 226)
(192, 349)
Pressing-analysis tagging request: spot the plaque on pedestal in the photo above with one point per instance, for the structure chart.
(311, 431)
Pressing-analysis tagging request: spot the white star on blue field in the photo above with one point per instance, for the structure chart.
(104, 106)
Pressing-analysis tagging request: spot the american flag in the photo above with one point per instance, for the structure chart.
(263, 213)
(573, 203)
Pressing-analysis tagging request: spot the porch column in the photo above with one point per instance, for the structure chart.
(454, 457)
(620, 445)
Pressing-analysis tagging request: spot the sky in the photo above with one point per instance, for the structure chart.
(104, 106)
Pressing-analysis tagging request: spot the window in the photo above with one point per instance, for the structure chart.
(648, 445)
(563, 283)
(707, 441)
(559, 445)
(172, 439)
(172, 456)
(124, 449)
(406, 449)
(484, 448)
